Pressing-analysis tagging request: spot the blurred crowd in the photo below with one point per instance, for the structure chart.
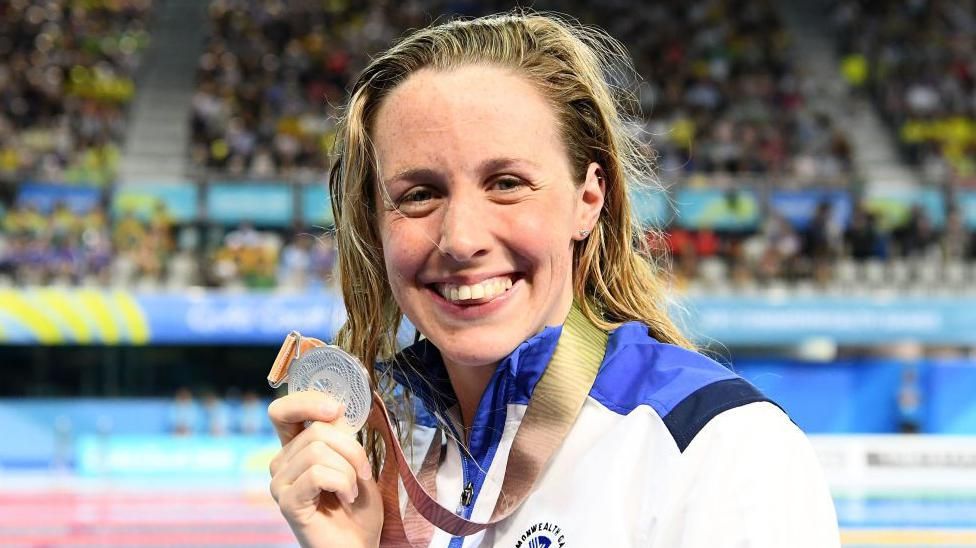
(721, 95)
(825, 254)
(917, 60)
(272, 74)
(67, 71)
(152, 252)
(69, 248)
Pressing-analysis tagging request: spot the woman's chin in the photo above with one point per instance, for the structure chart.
(459, 352)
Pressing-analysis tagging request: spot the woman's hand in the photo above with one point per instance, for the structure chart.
(321, 478)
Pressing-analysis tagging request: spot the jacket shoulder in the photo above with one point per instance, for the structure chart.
(685, 388)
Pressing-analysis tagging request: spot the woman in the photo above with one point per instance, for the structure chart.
(480, 190)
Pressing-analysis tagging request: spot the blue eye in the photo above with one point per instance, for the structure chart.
(508, 183)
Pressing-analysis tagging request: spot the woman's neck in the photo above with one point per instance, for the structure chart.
(469, 383)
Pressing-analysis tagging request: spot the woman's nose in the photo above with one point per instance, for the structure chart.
(465, 231)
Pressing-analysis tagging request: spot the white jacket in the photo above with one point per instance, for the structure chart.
(670, 450)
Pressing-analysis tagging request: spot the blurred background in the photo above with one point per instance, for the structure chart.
(164, 222)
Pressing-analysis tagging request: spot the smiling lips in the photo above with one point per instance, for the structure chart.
(483, 291)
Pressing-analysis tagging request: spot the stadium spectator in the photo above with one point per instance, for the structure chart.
(215, 415)
(958, 243)
(864, 238)
(822, 242)
(772, 253)
(917, 237)
(247, 259)
(295, 269)
(183, 416)
(909, 401)
(323, 260)
(252, 415)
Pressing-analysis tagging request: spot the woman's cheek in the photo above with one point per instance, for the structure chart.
(535, 228)
(404, 241)
(401, 261)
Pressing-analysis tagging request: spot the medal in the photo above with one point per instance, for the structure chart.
(333, 371)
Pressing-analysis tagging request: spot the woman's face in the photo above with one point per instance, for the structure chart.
(481, 212)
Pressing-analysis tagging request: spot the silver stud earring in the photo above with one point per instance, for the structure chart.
(584, 233)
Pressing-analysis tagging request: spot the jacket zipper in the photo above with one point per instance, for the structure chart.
(467, 492)
(467, 495)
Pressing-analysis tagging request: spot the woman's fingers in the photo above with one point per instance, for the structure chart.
(320, 479)
(316, 452)
(289, 413)
(335, 439)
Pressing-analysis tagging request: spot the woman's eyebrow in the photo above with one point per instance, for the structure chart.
(425, 175)
(500, 163)
(421, 175)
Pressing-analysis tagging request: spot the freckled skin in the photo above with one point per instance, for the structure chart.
(451, 211)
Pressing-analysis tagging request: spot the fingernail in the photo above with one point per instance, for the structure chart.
(329, 409)
(365, 471)
(351, 498)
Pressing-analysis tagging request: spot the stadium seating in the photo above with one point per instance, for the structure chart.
(68, 70)
(917, 67)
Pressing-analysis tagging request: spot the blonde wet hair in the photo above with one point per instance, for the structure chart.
(580, 71)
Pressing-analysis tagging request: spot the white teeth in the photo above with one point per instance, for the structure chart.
(487, 289)
(478, 291)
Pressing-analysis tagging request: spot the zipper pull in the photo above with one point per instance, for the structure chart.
(466, 494)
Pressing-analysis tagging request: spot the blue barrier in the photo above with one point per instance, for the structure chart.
(269, 204)
(88, 316)
(967, 208)
(651, 206)
(845, 320)
(799, 206)
(180, 198)
(42, 431)
(894, 205)
(737, 209)
(950, 386)
(843, 397)
(166, 456)
(861, 396)
(838, 397)
(317, 206)
(44, 196)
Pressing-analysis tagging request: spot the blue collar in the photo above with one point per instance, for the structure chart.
(420, 369)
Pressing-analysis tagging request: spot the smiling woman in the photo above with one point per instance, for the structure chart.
(480, 190)
(497, 206)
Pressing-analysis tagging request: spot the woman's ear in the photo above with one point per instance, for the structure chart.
(591, 195)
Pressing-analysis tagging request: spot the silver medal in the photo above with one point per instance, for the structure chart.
(331, 370)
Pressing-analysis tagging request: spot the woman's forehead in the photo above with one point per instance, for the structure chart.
(471, 112)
